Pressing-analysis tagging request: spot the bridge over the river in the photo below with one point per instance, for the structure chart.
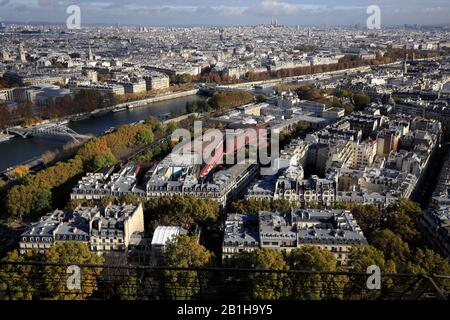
(53, 129)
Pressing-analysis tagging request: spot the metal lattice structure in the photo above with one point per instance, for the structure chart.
(37, 280)
(53, 129)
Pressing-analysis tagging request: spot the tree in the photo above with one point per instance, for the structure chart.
(56, 277)
(182, 211)
(16, 280)
(5, 115)
(130, 199)
(361, 100)
(230, 99)
(184, 251)
(96, 154)
(18, 201)
(183, 78)
(153, 123)
(343, 93)
(315, 286)
(309, 93)
(106, 200)
(48, 157)
(393, 247)
(261, 98)
(41, 201)
(361, 257)
(250, 206)
(145, 136)
(104, 160)
(402, 218)
(368, 218)
(265, 285)
(20, 171)
(191, 106)
(127, 290)
(170, 127)
(349, 108)
(428, 262)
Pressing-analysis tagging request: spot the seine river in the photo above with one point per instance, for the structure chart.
(18, 150)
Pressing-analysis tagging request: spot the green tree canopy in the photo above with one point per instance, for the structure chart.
(265, 285)
(250, 206)
(393, 247)
(182, 211)
(361, 100)
(41, 201)
(145, 136)
(184, 251)
(56, 277)
(402, 219)
(183, 78)
(363, 256)
(315, 286)
(17, 280)
(368, 218)
(426, 261)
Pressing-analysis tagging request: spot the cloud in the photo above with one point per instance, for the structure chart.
(435, 9)
(274, 7)
(230, 11)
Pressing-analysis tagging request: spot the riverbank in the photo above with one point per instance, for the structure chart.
(18, 150)
(136, 104)
(164, 97)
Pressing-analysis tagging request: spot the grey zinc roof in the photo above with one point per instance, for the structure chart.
(238, 231)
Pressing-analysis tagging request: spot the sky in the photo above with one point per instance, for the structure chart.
(228, 12)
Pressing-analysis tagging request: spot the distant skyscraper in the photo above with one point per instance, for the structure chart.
(22, 56)
(90, 55)
(5, 55)
(2, 27)
(405, 65)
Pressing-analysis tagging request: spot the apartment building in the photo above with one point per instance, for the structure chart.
(104, 88)
(436, 225)
(102, 229)
(167, 179)
(112, 230)
(333, 230)
(157, 81)
(132, 86)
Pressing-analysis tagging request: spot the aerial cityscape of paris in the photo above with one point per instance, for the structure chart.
(252, 151)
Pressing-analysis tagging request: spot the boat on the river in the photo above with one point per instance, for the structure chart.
(5, 137)
(165, 116)
(118, 110)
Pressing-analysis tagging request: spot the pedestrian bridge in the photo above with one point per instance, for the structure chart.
(53, 129)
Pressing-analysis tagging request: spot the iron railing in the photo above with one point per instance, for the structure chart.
(38, 280)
